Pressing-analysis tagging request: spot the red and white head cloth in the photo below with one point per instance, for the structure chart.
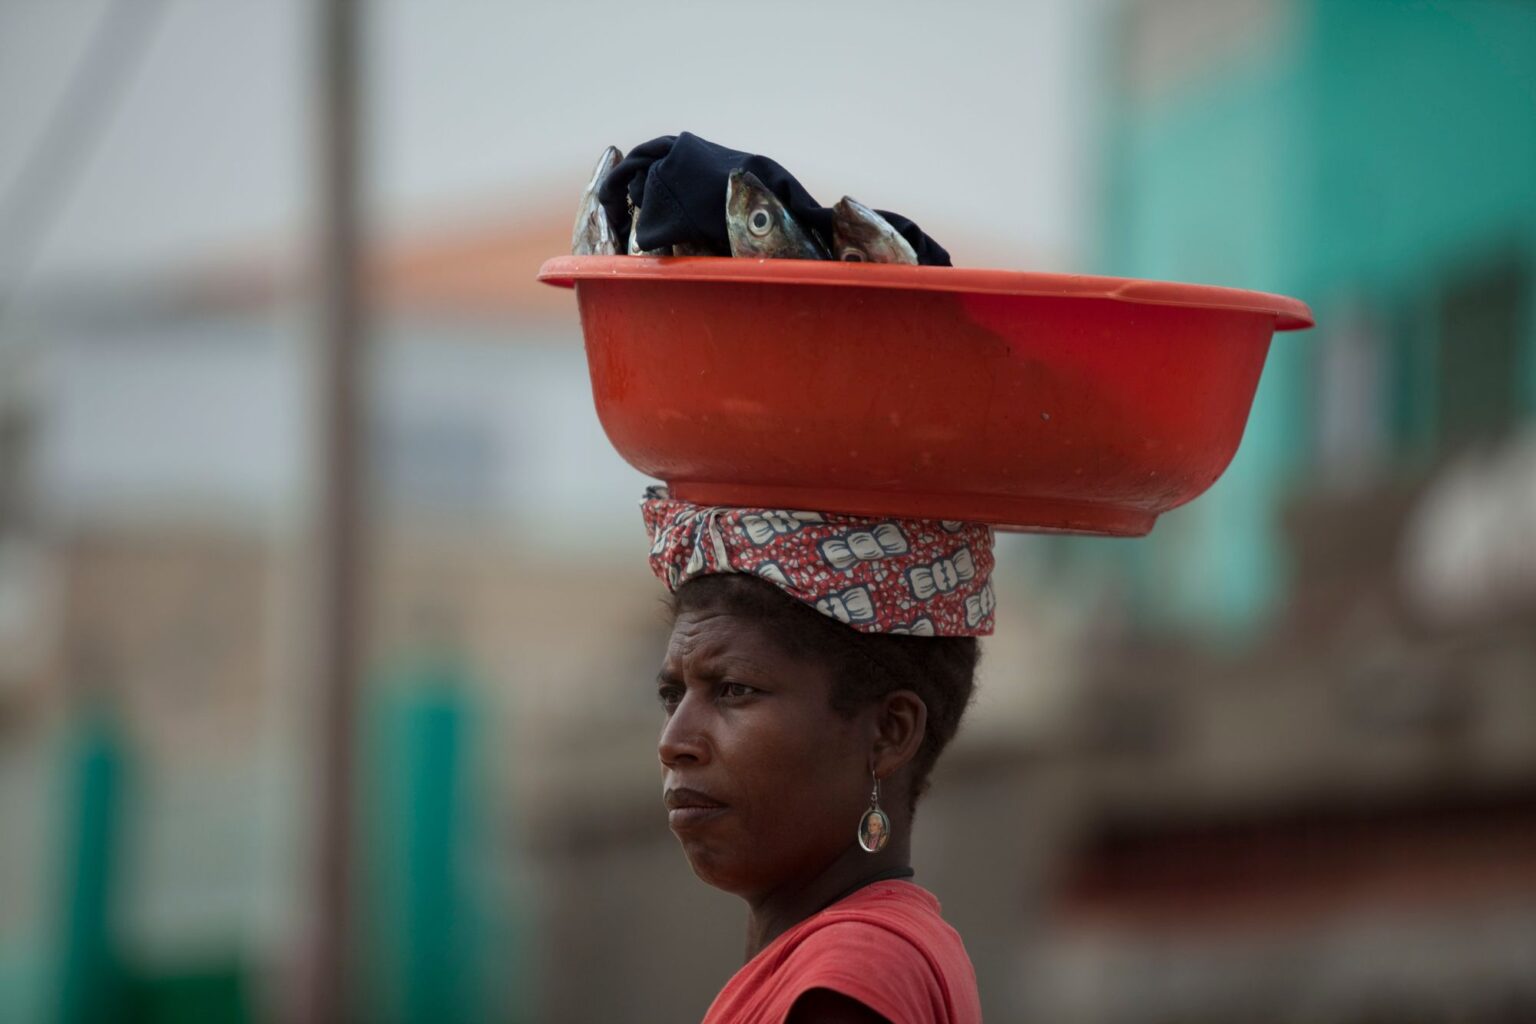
(925, 577)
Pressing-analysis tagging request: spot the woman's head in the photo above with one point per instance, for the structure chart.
(779, 713)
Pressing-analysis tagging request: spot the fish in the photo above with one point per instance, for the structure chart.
(692, 249)
(593, 235)
(860, 235)
(634, 238)
(759, 225)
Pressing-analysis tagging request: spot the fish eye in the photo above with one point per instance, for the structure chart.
(759, 221)
(853, 256)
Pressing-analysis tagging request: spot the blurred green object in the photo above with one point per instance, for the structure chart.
(91, 977)
(214, 992)
(422, 937)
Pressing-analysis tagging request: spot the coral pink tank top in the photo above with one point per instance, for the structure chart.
(884, 945)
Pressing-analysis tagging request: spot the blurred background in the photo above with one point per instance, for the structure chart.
(1274, 763)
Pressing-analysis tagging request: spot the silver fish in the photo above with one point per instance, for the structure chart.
(759, 225)
(593, 235)
(634, 240)
(692, 249)
(860, 235)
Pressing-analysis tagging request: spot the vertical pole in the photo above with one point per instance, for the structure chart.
(341, 558)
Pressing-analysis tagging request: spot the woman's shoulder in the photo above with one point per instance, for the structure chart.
(887, 912)
(889, 947)
(886, 946)
(898, 908)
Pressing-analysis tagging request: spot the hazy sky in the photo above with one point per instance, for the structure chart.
(974, 119)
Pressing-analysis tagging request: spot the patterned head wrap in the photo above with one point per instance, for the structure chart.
(924, 577)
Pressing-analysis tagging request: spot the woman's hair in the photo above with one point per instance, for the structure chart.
(865, 666)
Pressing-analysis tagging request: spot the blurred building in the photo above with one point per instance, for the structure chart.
(156, 438)
(1304, 776)
(1373, 158)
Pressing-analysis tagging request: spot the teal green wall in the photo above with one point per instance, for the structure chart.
(1426, 137)
(1426, 162)
(1354, 150)
(1202, 187)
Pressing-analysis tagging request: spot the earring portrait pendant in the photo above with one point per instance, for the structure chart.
(874, 830)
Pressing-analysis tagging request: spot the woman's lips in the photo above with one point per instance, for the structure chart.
(691, 817)
(688, 808)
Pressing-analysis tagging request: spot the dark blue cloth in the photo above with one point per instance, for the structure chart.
(678, 182)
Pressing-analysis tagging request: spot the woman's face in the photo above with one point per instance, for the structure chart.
(764, 782)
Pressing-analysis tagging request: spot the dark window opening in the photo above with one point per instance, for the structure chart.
(1481, 322)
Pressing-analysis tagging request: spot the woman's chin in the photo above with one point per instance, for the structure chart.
(717, 867)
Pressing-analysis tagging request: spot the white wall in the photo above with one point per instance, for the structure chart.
(199, 418)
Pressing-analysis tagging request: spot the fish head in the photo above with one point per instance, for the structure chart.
(860, 235)
(760, 225)
(592, 234)
(634, 238)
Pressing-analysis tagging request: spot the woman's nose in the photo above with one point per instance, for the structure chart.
(684, 739)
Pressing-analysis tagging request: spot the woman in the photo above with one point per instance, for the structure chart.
(817, 667)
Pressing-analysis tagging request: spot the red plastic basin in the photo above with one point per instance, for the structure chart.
(1036, 402)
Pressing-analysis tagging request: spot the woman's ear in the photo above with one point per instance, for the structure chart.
(901, 722)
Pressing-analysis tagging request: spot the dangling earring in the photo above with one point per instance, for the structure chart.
(874, 827)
